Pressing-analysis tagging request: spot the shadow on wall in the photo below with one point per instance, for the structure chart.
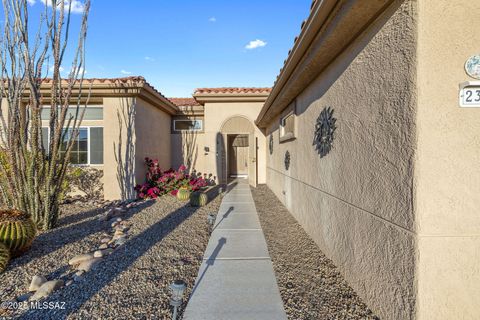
(220, 158)
(189, 144)
(125, 150)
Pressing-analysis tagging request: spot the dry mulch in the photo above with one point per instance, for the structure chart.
(166, 241)
(310, 285)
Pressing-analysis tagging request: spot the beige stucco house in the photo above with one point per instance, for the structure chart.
(361, 137)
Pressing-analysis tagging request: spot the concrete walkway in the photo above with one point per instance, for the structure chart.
(236, 279)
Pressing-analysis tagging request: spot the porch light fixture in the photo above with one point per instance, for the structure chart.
(177, 289)
(211, 219)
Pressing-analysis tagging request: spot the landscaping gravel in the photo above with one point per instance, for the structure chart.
(310, 285)
(164, 241)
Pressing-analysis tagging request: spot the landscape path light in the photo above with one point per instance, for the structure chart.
(177, 289)
(211, 219)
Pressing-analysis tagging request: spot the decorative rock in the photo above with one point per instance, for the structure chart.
(119, 210)
(121, 241)
(36, 283)
(69, 282)
(102, 253)
(103, 246)
(88, 265)
(24, 297)
(46, 289)
(118, 232)
(105, 240)
(80, 258)
(118, 237)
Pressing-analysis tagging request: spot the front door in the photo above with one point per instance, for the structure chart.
(237, 155)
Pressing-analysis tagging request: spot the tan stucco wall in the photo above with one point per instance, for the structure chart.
(152, 130)
(216, 113)
(357, 202)
(118, 147)
(448, 163)
(135, 129)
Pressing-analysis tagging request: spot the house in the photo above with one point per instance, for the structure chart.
(373, 155)
(361, 137)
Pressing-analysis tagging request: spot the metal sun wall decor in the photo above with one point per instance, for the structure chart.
(287, 160)
(270, 144)
(324, 129)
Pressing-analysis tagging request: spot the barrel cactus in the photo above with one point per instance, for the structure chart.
(183, 194)
(198, 199)
(4, 257)
(17, 231)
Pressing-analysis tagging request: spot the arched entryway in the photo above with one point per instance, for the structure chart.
(239, 148)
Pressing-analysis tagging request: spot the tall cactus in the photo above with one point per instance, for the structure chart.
(17, 231)
(4, 257)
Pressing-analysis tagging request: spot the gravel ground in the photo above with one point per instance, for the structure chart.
(310, 285)
(166, 241)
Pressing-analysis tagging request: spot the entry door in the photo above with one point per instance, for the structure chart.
(252, 159)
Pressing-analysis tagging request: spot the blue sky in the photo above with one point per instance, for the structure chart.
(181, 45)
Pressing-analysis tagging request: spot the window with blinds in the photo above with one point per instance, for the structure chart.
(87, 148)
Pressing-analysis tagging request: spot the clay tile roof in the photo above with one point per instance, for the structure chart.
(231, 90)
(184, 102)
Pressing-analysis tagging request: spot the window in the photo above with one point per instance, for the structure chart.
(87, 147)
(91, 113)
(287, 127)
(187, 125)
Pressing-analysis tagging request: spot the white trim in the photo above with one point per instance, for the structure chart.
(89, 149)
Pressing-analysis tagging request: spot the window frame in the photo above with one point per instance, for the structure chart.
(187, 130)
(283, 137)
(88, 164)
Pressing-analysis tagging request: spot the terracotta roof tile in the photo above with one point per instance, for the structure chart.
(135, 80)
(184, 102)
(231, 90)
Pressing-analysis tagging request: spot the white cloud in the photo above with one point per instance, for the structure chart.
(80, 70)
(75, 5)
(125, 72)
(31, 2)
(255, 44)
(149, 58)
(61, 69)
(212, 19)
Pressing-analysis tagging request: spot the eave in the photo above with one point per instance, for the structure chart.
(330, 29)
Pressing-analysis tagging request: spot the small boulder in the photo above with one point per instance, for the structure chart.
(118, 232)
(36, 283)
(88, 265)
(105, 240)
(103, 246)
(80, 258)
(46, 289)
(24, 297)
(118, 237)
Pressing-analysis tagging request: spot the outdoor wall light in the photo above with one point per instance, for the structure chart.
(211, 219)
(177, 289)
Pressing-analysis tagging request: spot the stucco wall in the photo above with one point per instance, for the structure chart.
(216, 113)
(357, 202)
(118, 148)
(152, 130)
(448, 163)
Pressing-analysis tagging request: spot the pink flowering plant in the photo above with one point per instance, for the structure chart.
(160, 182)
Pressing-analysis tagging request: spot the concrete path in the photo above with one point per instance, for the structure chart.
(236, 279)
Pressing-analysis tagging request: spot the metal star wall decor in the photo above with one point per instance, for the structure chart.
(324, 129)
(287, 160)
(270, 144)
